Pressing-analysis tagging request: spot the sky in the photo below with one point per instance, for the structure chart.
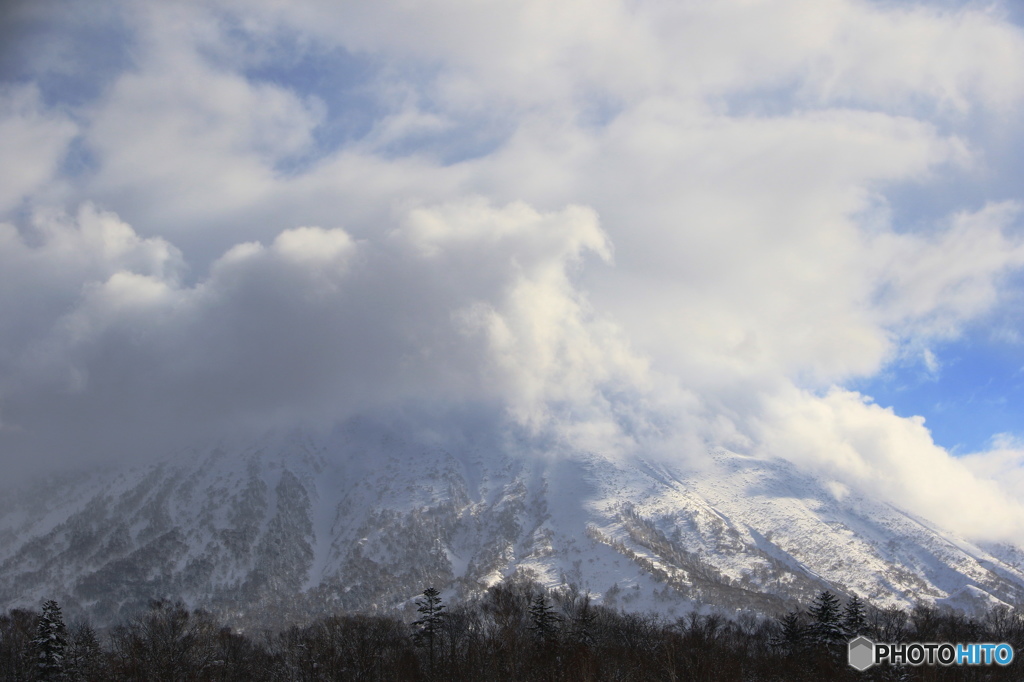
(790, 228)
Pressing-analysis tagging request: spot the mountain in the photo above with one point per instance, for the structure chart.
(296, 526)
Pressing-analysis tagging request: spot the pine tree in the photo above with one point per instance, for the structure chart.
(583, 619)
(791, 634)
(826, 628)
(854, 618)
(50, 642)
(428, 627)
(544, 619)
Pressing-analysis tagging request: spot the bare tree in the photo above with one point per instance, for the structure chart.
(166, 644)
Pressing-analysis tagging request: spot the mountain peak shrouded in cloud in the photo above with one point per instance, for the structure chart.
(619, 227)
(458, 303)
(287, 527)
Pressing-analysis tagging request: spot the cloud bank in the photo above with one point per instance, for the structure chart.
(630, 228)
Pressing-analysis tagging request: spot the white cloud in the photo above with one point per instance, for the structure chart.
(843, 436)
(33, 142)
(934, 282)
(736, 157)
(183, 136)
(1003, 463)
(313, 245)
(738, 242)
(958, 59)
(535, 52)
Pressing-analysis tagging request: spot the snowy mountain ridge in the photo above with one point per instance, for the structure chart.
(296, 527)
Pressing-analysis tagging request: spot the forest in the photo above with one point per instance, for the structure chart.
(515, 631)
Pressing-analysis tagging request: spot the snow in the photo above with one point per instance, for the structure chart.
(370, 519)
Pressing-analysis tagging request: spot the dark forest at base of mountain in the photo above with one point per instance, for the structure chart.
(516, 631)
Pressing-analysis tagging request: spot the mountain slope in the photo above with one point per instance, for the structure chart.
(294, 527)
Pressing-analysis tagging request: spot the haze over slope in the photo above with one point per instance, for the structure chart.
(285, 529)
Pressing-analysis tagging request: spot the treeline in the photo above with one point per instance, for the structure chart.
(516, 631)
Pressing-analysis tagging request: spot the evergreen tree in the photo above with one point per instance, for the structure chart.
(791, 634)
(50, 642)
(826, 627)
(544, 620)
(428, 627)
(172, 643)
(854, 618)
(583, 622)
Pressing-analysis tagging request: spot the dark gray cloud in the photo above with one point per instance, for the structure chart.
(111, 350)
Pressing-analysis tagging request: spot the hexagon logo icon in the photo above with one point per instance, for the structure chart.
(862, 653)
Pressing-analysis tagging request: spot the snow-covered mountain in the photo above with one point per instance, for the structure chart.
(295, 527)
